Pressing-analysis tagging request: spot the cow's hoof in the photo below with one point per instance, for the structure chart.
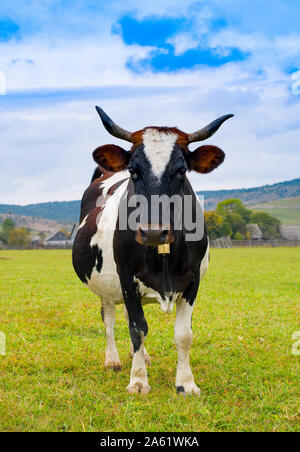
(138, 387)
(188, 389)
(115, 365)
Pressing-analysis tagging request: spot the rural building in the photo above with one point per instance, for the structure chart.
(57, 237)
(60, 240)
(254, 231)
(290, 232)
(36, 241)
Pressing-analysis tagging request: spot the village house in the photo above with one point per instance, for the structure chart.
(254, 231)
(60, 240)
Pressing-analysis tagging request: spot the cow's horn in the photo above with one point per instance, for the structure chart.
(112, 128)
(209, 130)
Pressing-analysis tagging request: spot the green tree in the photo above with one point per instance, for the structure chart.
(237, 223)
(269, 225)
(19, 237)
(238, 236)
(7, 226)
(231, 218)
(235, 217)
(214, 224)
(226, 229)
(233, 206)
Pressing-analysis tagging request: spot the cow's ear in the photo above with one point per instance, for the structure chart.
(111, 157)
(206, 158)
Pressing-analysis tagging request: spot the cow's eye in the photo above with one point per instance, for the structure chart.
(181, 172)
(133, 173)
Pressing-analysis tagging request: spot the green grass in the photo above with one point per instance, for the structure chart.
(52, 377)
(286, 210)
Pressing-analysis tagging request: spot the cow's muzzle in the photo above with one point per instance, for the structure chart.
(154, 235)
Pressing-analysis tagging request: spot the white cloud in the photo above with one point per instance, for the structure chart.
(48, 141)
(56, 63)
(183, 42)
(48, 149)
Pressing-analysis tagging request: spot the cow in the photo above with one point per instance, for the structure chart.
(154, 262)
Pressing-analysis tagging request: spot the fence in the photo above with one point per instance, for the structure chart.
(59, 245)
(265, 243)
(222, 242)
(226, 242)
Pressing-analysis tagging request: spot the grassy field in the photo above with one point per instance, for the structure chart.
(52, 376)
(286, 210)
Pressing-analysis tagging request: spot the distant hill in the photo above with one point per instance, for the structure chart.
(62, 211)
(35, 224)
(66, 212)
(253, 196)
(287, 210)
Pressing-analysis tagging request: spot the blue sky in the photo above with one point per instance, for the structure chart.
(171, 62)
(160, 33)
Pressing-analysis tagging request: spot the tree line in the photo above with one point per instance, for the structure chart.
(20, 237)
(12, 236)
(231, 218)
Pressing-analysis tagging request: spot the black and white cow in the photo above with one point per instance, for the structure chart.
(123, 265)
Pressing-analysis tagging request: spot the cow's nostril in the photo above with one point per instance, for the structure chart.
(164, 234)
(143, 233)
(153, 235)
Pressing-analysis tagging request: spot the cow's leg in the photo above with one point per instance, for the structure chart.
(147, 357)
(138, 330)
(108, 313)
(185, 383)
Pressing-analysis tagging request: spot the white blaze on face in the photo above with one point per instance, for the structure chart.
(158, 147)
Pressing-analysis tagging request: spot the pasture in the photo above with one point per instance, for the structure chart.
(52, 376)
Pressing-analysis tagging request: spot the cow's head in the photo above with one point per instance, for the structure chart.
(158, 161)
